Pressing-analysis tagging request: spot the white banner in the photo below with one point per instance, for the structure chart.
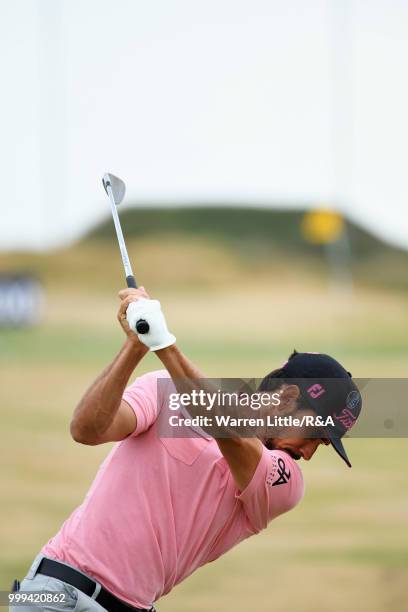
(248, 102)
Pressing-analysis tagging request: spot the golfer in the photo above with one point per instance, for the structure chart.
(159, 508)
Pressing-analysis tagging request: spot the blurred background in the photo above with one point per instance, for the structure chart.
(263, 145)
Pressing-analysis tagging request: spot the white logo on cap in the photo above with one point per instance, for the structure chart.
(353, 400)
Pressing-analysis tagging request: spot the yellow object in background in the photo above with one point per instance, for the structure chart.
(322, 226)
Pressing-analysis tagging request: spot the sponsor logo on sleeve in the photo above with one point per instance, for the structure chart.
(279, 474)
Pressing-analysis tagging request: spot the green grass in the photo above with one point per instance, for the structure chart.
(344, 547)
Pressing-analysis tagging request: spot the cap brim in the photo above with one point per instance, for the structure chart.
(340, 450)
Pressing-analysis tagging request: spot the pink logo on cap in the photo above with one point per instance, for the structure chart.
(316, 390)
(346, 418)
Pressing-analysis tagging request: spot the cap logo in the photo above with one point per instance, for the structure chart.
(353, 400)
(346, 418)
(316, 390)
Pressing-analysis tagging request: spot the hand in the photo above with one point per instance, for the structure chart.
(158, 337)
(127, 296)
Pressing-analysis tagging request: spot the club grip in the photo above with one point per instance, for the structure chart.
(131, 281)
(142, 326)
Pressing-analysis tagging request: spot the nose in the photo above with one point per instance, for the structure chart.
(309, 448)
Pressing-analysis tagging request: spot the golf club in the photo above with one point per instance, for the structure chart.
(116, 189)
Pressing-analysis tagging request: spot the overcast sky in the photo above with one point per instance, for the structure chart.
(255, 101)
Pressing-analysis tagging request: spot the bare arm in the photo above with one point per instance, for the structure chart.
(101, 415)
(241, 454)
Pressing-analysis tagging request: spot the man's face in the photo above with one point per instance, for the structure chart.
(293, 440)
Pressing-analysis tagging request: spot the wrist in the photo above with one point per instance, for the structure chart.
(168, 350)
(134, 346)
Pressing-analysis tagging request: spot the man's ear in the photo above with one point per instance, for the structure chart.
(289, 395)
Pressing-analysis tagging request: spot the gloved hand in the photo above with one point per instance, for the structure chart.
(158, 336)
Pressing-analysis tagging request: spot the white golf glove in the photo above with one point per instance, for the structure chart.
(158, 336)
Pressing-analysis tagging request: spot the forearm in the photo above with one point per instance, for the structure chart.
(241, 454)
(99, 405)
(178, 365)
(188, 378)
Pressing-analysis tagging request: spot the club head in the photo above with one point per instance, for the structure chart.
(117, 185)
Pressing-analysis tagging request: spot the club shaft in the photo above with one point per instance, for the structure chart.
(119, 234)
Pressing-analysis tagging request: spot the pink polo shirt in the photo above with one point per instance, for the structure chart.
(160, 508)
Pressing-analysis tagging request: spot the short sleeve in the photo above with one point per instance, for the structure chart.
(276, 487)
(142, 397)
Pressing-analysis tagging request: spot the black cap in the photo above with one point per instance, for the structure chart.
(330, 391)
